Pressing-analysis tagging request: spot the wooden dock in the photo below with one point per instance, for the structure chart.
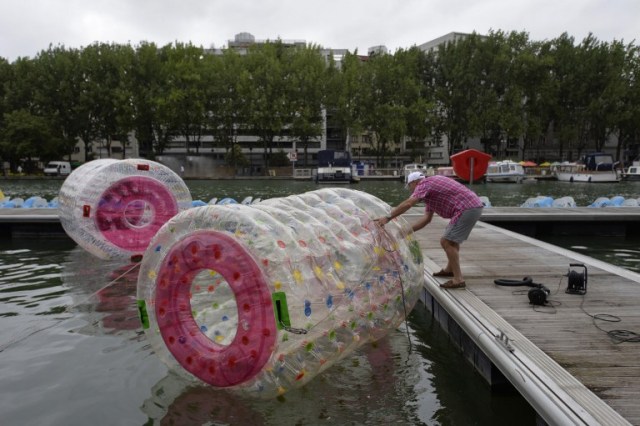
(557, 356)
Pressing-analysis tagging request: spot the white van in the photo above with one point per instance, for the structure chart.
(57, 168)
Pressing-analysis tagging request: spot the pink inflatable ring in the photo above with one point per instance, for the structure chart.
(253, 344)
(131, 211)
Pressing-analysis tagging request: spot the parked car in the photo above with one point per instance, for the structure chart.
(57, 168)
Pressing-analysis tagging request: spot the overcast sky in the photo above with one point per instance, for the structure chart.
(29, 26)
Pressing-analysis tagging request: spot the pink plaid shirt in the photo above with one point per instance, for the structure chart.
(446, 197)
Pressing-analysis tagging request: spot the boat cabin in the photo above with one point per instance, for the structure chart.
(598, 161)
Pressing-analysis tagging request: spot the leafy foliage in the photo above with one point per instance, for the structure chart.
(499, 87)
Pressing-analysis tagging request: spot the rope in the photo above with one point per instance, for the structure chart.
(383, 236)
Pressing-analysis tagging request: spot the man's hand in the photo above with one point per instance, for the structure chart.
(382, 221)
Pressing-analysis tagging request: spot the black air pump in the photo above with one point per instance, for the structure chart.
(537, 294)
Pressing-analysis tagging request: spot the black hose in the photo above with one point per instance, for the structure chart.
(526, 281)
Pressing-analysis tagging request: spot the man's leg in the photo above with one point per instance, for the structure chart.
(452, 250)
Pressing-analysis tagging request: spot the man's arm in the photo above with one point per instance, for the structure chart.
(424, 221)
(398, 210)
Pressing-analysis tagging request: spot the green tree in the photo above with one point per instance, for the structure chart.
(392, 90)
(306, 94)
(279, 159)
(567, 111)
(531, 72)
(105, 102)
(606, 87)
(265, 88)
(186, 93)
(26, 137)
(497, 111)
(227, 109)
(628, 118)
(454, 91)
(346, 88)
(6, 76)
(146, 83)
(487, 73)
(21, 86)
(235, 157)
(420, 111)
(57, 94)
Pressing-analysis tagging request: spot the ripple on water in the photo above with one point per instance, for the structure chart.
(29, 293)
(583, 248)
(23, 282)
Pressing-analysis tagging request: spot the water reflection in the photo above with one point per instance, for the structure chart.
(383, 383)
(370, 387)
(104, 293)
(175, 401)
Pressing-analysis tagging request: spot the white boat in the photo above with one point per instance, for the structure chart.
(632, 172)
(595, 168)
(415, 167)
(335, 167)
(505, 171)
(333, 174)
(448, 172)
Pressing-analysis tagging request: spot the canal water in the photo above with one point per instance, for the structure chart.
(500, 195)
(72, 351)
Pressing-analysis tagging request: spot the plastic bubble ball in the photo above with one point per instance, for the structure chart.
(260, 298)
(113, 208)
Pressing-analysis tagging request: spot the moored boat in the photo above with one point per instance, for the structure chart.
(448, 172)
(414, 167)
(595, 168)
(505, 171)
(334, 167)
(632, 172)
(470, 165)
(336, 174)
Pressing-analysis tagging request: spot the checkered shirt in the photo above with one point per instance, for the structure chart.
(446, 197)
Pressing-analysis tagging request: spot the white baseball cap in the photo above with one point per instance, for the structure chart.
(414, 176)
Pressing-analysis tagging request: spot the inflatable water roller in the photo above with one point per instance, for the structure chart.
(113, 208)
(259, 299)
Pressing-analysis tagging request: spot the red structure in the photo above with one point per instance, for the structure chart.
(470, 160)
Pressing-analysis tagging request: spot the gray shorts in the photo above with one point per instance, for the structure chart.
(459, 231)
